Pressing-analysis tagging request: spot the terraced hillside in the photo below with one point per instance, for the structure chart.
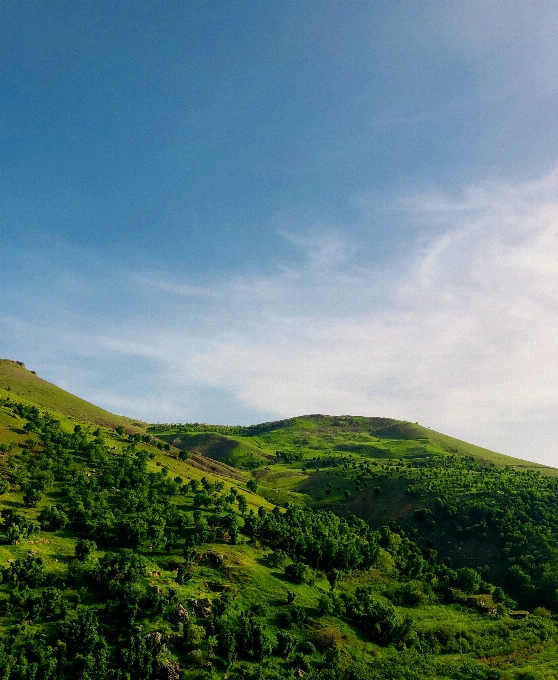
(330, 548)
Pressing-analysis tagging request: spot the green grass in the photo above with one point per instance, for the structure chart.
(20, 383)
(230, 449)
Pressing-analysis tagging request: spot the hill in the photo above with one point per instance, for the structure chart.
(324, 547)
(27, 385)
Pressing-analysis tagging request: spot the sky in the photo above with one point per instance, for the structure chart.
(234, 212)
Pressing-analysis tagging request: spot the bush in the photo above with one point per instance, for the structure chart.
(278, 558)
(326, 638)
(252, 485)
(51, 518)
(298, 572)
(307, 647)
(84, 548)
(298, 615)
(32, 497)
(376, 616)
(410, 595)
(468, 580)
(543, 612)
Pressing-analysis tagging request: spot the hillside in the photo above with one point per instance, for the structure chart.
(324, 547)
(25, 384)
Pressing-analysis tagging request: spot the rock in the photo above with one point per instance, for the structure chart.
(180, 614)
(169, 670)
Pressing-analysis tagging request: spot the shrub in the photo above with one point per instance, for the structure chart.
(32, 497)
(542, 611)
(307, 647)
(298, 572)
(298, 615)
(326, 638)
(378, 617)
(51, 518)
(468, 580)
(278, 558)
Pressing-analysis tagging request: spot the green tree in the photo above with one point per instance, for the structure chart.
(468, 580)
(333, 577)
(52, 518)
(84, 548)
(32, 497)
(298, 572)
(252, 485)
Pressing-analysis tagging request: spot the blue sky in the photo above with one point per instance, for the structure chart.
(235, 212)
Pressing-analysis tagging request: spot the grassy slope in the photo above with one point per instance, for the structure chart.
(450, 443)
(26, 386)
(231, 450)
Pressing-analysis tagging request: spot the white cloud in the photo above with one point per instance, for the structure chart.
(462, 336)
(463, 340)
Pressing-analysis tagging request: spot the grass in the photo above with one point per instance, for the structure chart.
(230, 450)
(21, 384)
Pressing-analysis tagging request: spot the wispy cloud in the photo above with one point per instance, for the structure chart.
(178, 288)
(462, 335)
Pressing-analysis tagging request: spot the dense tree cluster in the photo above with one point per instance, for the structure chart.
(322, 539)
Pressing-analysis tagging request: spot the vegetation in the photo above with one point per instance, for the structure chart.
(334, 548)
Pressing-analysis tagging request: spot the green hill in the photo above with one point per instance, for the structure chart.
(324, 547)
(231, 450)
(27, 385)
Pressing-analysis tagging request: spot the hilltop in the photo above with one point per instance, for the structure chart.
(325, 547)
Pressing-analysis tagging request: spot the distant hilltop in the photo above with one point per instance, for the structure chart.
(17, 363)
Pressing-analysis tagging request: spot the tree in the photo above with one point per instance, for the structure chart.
(468, 580)
(26, 570)
(119, 569)
(84, 548)
(278, 558)
(226, 636)
(32, 497)
(242, 503)
(252, 637)
(333, 577)
(298, 572)
(286, 643)
(194, 635)
(183, 574)
(252, 485)
(376, 616)
(189, 554)
(52, 518)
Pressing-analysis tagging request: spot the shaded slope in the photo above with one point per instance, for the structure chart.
(227, 450)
